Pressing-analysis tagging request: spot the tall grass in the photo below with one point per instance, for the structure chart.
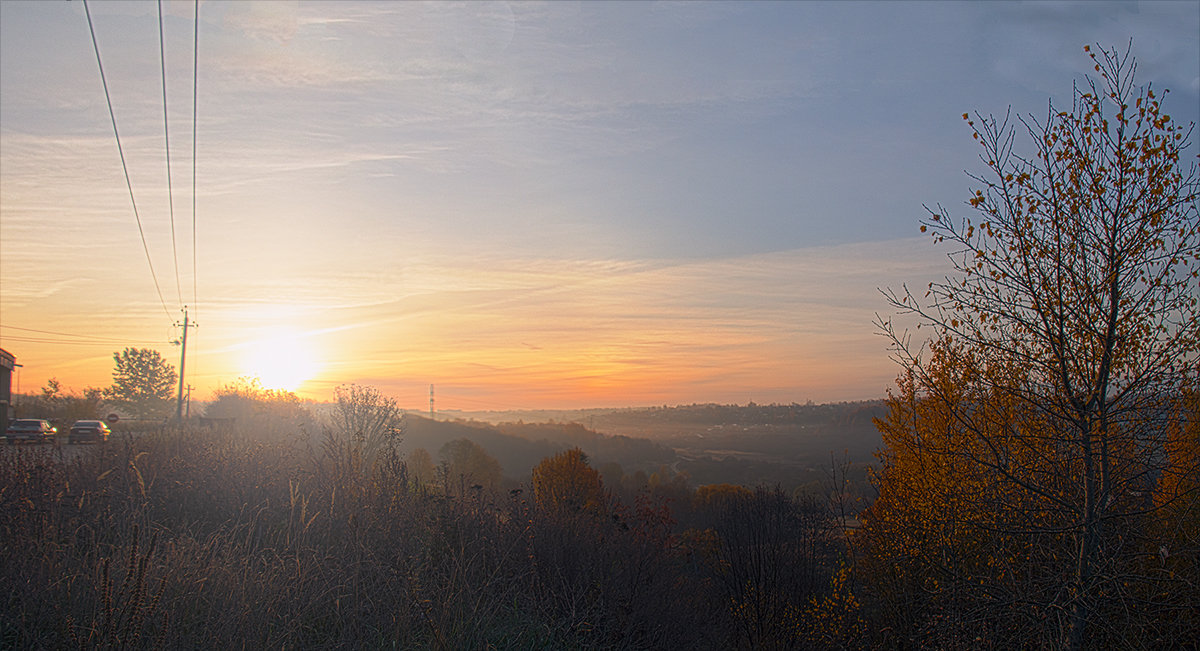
(189, 537)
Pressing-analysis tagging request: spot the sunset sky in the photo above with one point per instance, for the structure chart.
(527, 205)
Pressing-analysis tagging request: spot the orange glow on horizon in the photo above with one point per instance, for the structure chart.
(284, 361)
(534, 334)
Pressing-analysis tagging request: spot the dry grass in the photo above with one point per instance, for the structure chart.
(225, 538)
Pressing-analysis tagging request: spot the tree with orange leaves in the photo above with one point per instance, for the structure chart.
(1173, 572)
(949, 534)
(1076, 305)
(566, 483)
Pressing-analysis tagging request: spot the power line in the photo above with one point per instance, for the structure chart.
(61, 334)
(162, 58)
(78, 338)
(77, 342)
(45, 332)
(195, 87)
(120, 150)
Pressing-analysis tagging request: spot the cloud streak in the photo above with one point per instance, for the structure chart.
(780, 320)
(542, 203)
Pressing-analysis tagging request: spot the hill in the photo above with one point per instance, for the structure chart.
(790, 445)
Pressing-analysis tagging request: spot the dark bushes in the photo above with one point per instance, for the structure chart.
(210, 538)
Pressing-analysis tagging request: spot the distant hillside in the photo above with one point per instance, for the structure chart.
(790, 445)
(649, 422)
(519, 446)
(631, 453)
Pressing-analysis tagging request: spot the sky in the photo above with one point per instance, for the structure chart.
(526, 205)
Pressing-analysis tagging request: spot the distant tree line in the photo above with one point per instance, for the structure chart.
(143, 387)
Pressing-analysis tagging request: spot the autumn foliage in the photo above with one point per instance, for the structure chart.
(566, 483)
(1034, 450)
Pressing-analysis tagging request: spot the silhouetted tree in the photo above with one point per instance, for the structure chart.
(62, 406)
(466, 464)
(771, 558)
(367, 420)
(420, 466)
(143, 383)
(245, 399)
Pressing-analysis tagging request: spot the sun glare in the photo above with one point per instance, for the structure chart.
(281, 362)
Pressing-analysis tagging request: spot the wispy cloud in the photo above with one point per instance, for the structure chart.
(776, 323)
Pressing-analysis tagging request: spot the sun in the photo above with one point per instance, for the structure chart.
(284, 361)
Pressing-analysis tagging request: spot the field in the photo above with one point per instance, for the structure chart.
(273, 536)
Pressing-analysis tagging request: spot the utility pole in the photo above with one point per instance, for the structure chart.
(431, 412)
(188, 401)
(182, 366)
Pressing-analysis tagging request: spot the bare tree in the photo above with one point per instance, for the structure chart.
(367, 422)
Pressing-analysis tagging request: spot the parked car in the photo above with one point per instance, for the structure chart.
(88, 430)
(30, 429)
